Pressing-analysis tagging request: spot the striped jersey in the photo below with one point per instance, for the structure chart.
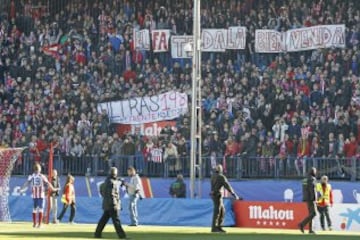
(38, 181)
(156, 155)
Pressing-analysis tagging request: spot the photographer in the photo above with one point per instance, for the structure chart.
(135, 191)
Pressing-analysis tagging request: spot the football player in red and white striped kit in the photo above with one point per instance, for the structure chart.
(37, 182)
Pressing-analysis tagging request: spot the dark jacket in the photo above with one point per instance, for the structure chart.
(109, 190)
(218, 180)
(308, 186)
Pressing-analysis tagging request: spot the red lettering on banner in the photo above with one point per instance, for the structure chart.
(295, 39)
(155, 36)
(236, 38)
(339, 37)
(261, 41)
(164, 100)
(268, 41)
(219, 42)
(314, 38)
(159, 41)
(207, 40)
(180, 43)
(326, 35)
(183, 99)
(163, 43)
(269, 214)
(172, 97)
(275, 44)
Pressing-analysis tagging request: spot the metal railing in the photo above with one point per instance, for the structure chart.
(237, 167)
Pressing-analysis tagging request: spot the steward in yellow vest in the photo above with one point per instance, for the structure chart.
(324, 201)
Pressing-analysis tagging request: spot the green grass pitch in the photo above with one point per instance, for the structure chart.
(24, 230)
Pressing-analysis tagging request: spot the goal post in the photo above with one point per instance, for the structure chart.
(8, 157)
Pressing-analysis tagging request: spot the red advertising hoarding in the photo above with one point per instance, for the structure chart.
(145, 129)
(269, 214)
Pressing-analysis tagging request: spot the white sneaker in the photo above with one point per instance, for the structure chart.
(72, 223)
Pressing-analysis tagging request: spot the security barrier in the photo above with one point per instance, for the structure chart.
(152, 211)
(236, 167)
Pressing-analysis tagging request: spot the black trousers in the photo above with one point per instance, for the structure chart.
(114, 215)
(324, 213)
(219, 212)
(72, 211)
(311, 215)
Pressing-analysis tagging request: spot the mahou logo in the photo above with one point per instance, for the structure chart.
(270, 213)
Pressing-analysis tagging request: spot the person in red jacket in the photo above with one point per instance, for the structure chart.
(129, 74)
(350, 148)
(68, 199)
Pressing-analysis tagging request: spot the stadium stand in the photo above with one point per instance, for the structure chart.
(265, 114)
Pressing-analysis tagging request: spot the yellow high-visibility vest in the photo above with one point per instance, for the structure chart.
(323, 195)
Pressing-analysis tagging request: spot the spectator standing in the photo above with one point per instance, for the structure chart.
(115, 160)
(128, 153)
(171, 157)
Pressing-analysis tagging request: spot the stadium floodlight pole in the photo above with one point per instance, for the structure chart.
(195, 152)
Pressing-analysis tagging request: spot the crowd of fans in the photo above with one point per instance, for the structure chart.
(59, 61)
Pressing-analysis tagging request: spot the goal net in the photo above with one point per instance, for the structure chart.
(8, 157)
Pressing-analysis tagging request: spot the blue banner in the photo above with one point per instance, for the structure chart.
(251, 190)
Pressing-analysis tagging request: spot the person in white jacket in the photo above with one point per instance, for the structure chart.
(279, 129)
(134, 191)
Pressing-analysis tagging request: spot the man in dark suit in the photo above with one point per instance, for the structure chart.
(309, 196)
(218, 181)
(109, 190)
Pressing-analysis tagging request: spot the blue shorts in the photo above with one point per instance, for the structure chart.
(38, 203)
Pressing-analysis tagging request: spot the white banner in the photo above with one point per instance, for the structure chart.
(214, 40)
(236, 38)
(344, 217)
(268, 41)
(322, 36)
(142, 39)
(160, 40)
(165, 106)
(178, 44)
(300, 39)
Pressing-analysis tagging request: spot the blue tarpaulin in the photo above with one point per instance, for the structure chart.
(155, 211)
